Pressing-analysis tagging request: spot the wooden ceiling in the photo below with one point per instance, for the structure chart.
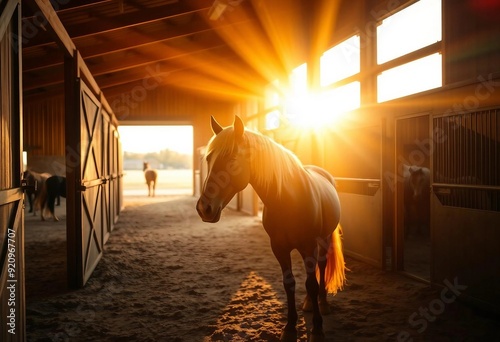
(127, 43)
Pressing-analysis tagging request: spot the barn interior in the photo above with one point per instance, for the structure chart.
(364, 89)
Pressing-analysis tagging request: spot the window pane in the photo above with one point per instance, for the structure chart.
(326, 107)
(408, 30)
(343, 99)
(410, 78)
(340, 61)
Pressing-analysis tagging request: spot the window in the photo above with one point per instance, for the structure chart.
(422, 74)
(410, 29)
(336, 64)
(343, 99)
(404, 32)
(340, 61)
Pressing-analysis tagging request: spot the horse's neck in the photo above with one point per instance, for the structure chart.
(268, 194)
(271, 172)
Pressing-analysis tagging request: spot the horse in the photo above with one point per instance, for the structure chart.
(417, 198)
(54, 187)
(34, 181)
(301, 211)
(151, 176)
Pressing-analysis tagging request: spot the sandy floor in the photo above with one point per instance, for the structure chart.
(167, 276)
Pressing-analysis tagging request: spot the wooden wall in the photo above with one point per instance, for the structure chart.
(43, 134)
(471, 45)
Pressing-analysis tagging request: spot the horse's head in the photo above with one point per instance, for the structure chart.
(145, 166)
(228, 169)
(418, 179)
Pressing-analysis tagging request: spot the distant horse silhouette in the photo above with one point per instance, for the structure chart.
(54, 187)
(35, 182)
(151, 176)
(301, 211)
(416, 200)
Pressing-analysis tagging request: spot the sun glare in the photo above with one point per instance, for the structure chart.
(318, 109)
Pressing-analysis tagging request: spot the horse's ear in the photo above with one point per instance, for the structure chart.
(239, 127)
(216, 127)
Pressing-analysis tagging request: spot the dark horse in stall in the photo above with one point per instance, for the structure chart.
(54, 187)
(301, 211)
(416, 200)
(150, 176)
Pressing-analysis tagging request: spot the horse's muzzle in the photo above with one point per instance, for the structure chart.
(208, 212)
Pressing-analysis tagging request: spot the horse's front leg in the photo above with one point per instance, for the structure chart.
(289, 333)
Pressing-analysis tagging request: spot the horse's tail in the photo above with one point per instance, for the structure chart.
(335, 266)
(41, 198)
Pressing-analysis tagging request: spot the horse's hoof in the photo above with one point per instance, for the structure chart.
(56, 219)
(317, 337)
(288, 336)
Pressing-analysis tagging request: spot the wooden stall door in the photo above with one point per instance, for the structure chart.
(93, 182)
(465, 203)
(86, 186)
(12, 281)
(413, 231)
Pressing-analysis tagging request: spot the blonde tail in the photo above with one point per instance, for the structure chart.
(335, 266)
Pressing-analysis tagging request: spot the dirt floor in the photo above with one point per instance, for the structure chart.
(167, 276)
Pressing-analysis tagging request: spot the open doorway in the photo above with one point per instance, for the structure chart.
(168, 149)
(413, 152)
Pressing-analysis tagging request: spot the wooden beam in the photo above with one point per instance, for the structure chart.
(111, 43)
(157, 69)
(6, 15)
(60, 35)
(142, 59)
(64, 40)
(108, 23)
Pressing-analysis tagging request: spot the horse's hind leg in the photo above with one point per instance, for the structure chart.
(51, 205)
(154, 187)
(42, 200)
(290, 331)
(324, 247)
(324, 308)
(30, 200)
(312, 288)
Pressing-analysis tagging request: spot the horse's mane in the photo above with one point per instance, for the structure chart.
(270, 162)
